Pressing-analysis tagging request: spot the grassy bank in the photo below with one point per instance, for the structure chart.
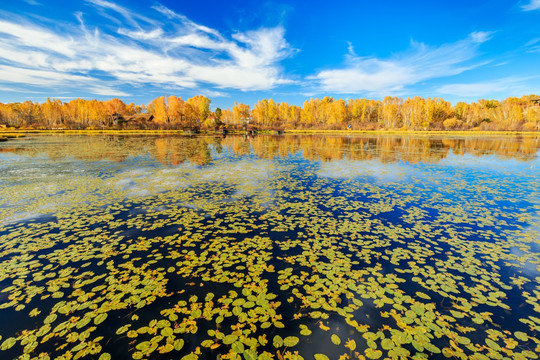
(24, 131)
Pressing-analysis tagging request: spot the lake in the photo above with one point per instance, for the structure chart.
(269, 247)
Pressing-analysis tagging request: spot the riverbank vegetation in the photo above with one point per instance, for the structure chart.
(391, 113)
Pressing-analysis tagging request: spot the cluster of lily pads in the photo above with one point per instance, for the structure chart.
(247, 258)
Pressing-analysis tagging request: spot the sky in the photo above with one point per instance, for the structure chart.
(248, 50)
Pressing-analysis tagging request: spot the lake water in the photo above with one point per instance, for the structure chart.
(284, 247)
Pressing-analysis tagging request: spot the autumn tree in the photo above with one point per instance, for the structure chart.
(390, 114)
(265, 112)
(413, 112)
(436, 110)
(310, 114)
(10, 114)
(227, 116)
(294, 115)
(175, 109)
(218, 114)
(97, 114)
(51, 111)
(241, 113)
(159, 110)
(461, 110)
(357, 109)
(283, 113)
(115, 109)
(532, 117)
(197, 110)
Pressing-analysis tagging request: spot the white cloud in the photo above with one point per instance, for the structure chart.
(38, 39)
(167, 50)
(480, 36)
(472, 89)
(106, 91)
(142, 35)
(390, 76)
(38, 77)
(512, 85)
(532, 5)
(44, 78)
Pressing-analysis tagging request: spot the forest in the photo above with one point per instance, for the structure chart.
(172, 112)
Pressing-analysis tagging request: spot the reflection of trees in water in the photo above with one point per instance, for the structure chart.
(385, 148)
(174, 150)
(165, 149)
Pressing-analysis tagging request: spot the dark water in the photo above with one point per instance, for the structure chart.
(165, 247)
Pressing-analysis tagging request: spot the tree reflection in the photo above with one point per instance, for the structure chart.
(174, 150)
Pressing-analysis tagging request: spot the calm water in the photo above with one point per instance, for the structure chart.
(162, 247)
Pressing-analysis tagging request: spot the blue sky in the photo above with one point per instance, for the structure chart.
(249, 50)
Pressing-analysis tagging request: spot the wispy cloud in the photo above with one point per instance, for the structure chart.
(532, 46)
(421, 62)
(532, 42)
(473, 89)
(532, 5)
(507, 85)
(12, 89)
(130, 16)
(162, 49)
(190, 25)
(32, 2)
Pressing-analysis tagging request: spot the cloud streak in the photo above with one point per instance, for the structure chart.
(514, 85)
(421, 62)
(163, 49)
(532, 5)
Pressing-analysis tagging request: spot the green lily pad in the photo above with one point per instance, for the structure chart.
(290, 341)
(278, 341)
(321, 357)
(100, 318)
(229, 339)
(373, 354)
(105, 356)
(8, 343)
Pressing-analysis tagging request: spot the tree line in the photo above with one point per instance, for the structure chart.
(172, 112)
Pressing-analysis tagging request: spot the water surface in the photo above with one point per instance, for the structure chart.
(264, 247)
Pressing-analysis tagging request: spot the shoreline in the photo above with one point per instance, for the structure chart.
(15, 133)
(414, 132)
